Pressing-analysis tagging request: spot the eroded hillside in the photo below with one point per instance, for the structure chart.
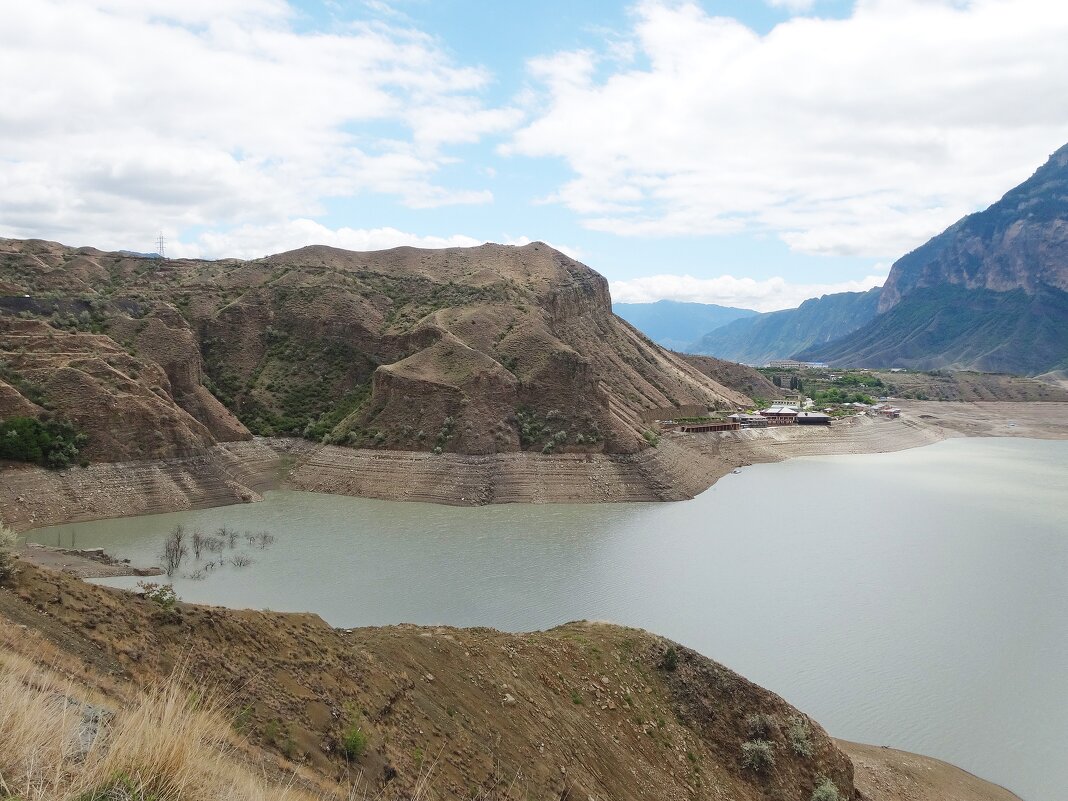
(481, 350)
(582, 711)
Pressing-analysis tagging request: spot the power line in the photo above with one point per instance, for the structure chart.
(159, 246)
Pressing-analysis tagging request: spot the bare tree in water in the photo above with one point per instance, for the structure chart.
(174, 551)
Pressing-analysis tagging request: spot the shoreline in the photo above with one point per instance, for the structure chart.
(92, 563)
(884, 773)
(679, 468)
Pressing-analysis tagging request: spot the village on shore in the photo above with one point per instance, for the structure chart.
(833, 395)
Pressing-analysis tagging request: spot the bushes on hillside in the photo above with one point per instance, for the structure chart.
(799, 733)
(54, 443)
(826, 790)
(758, 755)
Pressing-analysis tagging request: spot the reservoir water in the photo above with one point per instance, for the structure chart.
(915, 599)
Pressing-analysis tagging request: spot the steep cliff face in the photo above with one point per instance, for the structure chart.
(127, 404)
(480, 350)
(1021, 242)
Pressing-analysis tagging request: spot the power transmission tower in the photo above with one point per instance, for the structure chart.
(159, 246)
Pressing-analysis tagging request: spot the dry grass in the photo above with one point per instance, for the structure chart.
(164, 746)
(8, 541)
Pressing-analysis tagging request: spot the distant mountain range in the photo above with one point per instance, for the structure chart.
(990, 293)
(781, 334)
(674, 324)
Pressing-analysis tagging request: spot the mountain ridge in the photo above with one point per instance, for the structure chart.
(988, 293)
(675, 324)
(781, 334)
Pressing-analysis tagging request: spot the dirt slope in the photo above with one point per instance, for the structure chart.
(745, 380)
(582, 711)
(885, 774)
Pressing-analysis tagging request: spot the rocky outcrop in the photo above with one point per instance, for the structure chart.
(124, 402)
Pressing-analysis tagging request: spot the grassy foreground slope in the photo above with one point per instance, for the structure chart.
(584, 710)
(186, 702)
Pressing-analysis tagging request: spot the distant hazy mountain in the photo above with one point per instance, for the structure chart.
(673, 324)
(989, 293)
(781, 334)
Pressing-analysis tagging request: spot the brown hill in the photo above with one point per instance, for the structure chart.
(483, 350)
(739, 377)
(582, 711)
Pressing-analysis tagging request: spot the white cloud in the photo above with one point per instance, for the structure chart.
(253, 241)
(861, 136)
(121, 116)
(726, 290)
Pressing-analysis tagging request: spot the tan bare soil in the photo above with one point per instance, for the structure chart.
(885, 774)
(945, 385)
(83, 564)
(739, 377)
(236, 472)
(991, 419)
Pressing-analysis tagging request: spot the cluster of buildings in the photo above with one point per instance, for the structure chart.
(788, 411)
(778, 414)
(793, 364)
(884, 410)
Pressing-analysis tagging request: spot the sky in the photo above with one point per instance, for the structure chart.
(745, 152)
